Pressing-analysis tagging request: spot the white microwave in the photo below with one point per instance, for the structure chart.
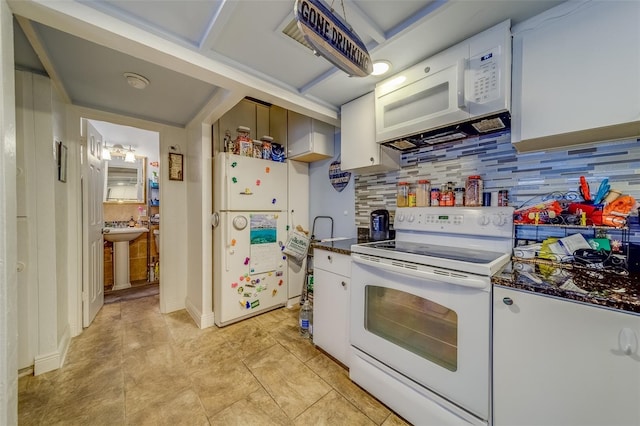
(461, 91)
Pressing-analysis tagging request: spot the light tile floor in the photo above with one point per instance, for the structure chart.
(136, 366)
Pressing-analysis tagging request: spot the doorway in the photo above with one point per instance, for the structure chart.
(129, 201)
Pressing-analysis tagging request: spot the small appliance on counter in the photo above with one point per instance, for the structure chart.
(379, 225)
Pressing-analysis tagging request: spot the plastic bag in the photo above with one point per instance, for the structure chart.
(297, 245)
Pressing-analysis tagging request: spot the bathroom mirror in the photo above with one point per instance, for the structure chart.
(125, 182)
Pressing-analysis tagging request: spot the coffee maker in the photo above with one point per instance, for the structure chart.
(379, 225)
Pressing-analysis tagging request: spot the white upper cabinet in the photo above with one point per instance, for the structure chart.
(308, 139)
(576, 75)
(359, 150)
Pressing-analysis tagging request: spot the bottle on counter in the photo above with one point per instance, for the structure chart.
(306, 319)
(473, 191)
(423, 193)
(402, 196)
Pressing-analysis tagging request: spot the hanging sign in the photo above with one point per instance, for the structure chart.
(330, 36)
(339, 179)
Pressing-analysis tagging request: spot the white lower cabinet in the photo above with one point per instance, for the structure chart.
(331, 282)
(557, 362)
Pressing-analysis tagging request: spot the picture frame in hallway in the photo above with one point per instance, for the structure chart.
(62, 161)
(175, 166)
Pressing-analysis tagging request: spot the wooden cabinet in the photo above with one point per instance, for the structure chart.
(358, 147)
(557, 362)
(278, 125)
(308, 139)
(576, 75)
(331, 283)
(248, 114)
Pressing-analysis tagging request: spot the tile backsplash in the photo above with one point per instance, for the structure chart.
(493, 157)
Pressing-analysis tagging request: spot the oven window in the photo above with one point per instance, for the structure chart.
(421, 326)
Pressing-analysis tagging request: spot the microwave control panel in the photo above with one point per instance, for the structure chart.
(485, 76)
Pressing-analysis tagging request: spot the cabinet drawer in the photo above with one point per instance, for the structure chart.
(332, 262)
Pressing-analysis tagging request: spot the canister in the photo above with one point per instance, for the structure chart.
(423, 193)
(473, 191)
(402, 196)
(243, 143)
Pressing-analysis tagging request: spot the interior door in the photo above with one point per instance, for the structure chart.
(93, 262)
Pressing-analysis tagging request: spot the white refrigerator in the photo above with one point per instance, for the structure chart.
(250, 230)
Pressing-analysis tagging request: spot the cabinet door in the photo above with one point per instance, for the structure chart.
(262, 121)
(278, 125)
(308, 139)
(358, 146)
(557, 362)
(330, 314)
(243, 114)
(576, 69)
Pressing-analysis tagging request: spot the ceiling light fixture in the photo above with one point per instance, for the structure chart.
(381, 67)
(130, 157)
(136, 80)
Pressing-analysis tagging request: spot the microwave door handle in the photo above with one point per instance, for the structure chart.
(461, 68)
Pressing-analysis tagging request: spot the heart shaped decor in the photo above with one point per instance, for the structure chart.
(339, 179)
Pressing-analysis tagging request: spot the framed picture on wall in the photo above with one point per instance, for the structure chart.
(62, 161)
(175, 166)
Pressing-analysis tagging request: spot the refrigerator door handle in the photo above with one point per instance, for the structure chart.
(215, 219)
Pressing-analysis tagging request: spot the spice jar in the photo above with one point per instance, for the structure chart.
(473, 193)
(423, 193)
(446, 195)
(459, 196)
(402, 196)
(435, 197)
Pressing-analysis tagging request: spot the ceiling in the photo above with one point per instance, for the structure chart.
(203, 56)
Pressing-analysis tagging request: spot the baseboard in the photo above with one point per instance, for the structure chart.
(294, 302)
(53, 360)
(201, 320)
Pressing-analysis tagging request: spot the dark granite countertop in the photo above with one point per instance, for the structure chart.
(579, 284)
(338, 246)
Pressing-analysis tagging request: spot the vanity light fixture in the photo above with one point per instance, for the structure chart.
(136, 80)
(129, 156)
(381, 67)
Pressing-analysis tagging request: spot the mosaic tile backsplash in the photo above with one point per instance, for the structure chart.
(526, 176)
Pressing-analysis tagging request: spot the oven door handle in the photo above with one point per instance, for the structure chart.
(434, 274)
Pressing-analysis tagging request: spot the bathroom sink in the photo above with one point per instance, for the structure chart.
(116, 235)
(120, 237)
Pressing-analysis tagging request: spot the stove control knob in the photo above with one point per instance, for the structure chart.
(400, 217)
(411, 218)
(499, 220)
(484, 220)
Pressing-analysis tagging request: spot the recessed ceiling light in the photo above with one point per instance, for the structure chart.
(136, 80)
(381, 67)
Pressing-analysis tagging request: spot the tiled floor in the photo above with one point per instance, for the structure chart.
(134, 365)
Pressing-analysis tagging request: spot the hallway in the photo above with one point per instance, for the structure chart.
(134, 366)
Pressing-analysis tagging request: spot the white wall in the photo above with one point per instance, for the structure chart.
(8, 256)
(199, 243)
(326, 201)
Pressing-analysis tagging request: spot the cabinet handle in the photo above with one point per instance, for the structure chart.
(329, 258)
(371, 159)
(507, 301)
(344, 284)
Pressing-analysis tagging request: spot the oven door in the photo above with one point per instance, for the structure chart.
(426, 327)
